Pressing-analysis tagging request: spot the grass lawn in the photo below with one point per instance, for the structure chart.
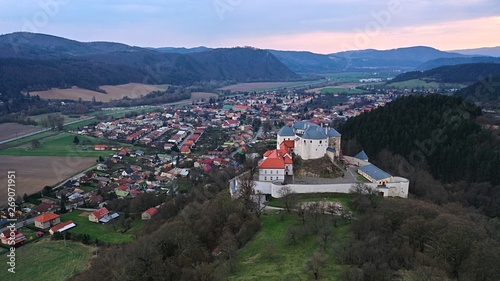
(58, 145)
(47, 260)
(103, 232)
(269, 257)
(341, 91)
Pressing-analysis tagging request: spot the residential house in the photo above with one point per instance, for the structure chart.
(100, 147)
(15, 235)
(102, 215)
(149, 213)
(47, 220)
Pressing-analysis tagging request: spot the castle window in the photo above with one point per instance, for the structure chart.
(311, 141)
(265, 178)
(320, 141)
(304, 141)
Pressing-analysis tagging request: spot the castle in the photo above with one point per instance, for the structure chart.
(304, 139)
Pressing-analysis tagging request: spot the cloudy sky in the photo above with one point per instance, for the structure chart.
(322, 26)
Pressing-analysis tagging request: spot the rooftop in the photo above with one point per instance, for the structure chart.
(375, 172)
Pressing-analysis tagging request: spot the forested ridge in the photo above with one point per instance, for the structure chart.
(435, 142)
(449, 227)
(461, 73)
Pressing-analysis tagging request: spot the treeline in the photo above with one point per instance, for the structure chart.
(193, 237)
(172, 94)
(412, 240)
(461, 73)
(435, 142)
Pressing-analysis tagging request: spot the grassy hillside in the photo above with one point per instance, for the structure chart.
(271, 256)
(48, 260)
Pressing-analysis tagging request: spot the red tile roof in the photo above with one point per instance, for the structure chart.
(272, 163)
(46, 217)
(100, 213)
(151, 211)
(60, 226)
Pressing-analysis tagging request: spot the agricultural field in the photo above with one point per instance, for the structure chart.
(131, 90)
(354, 77)
(67, 119)
(47, 260)
(422, 85)
(33, 173)
(202, 95)
(103, 232)
(58, 145)
(270, 256)
(348, 91)
(12, 130)
(265, 86)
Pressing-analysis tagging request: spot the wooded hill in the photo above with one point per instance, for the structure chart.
(485, 91)
(429, 138)
(59, 62)
(462, 73)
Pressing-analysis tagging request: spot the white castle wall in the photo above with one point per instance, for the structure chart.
(398, 188)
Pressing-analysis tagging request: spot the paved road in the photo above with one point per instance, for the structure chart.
(18, 224)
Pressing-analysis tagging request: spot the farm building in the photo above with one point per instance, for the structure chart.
(62, 227)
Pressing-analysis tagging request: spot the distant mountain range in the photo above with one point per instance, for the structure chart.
(39, 61)
(488, 51)
(43, 56)
(405, 59)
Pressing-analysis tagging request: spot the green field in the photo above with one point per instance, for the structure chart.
(47, 260)
(269, 257)
(67, 119)
(58, 145)
(30, 138)
(354, 77)
(421, 85)
(342, 91)
(294, 85)
(104, 232)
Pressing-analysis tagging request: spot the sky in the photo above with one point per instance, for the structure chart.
(321, 26)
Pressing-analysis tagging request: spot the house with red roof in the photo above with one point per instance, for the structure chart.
(100, 147)
(102, 215)
(149, 213)
(275, 165)
(10, 235)
(47, 220)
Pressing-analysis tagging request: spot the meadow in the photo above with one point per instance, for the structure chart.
(421, 84)
(270, 256)
(58, 145)
(348, 91)
(47, 260)
(103, 232)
